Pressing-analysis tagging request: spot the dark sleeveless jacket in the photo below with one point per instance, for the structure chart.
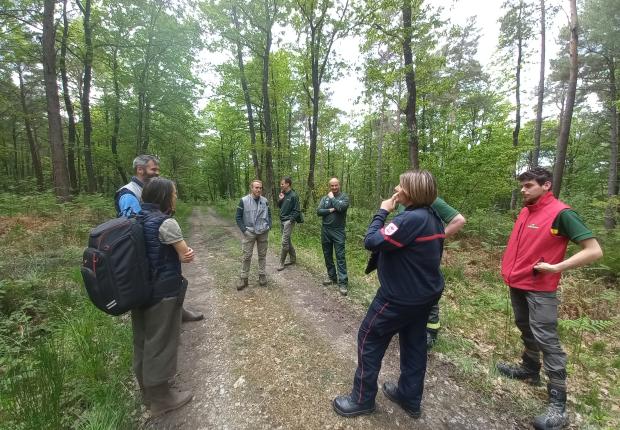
(163, 259)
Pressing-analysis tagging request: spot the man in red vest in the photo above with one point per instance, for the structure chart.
(531, 266)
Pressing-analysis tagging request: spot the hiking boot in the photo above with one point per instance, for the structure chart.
(329, 281)
(524, 373)
(189, 316)
(292, 256)
(343, 289)
(143, 394)
(262, 280)
(431, 338)
(390, 389)
(164, 399)
(556, 416)
(242, 283)
(282, 260)
(346, 407)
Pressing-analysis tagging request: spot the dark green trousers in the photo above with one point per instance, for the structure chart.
(333, 239)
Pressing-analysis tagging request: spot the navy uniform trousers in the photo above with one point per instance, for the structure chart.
(383, 320)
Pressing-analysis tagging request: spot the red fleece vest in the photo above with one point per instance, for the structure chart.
(532, 241)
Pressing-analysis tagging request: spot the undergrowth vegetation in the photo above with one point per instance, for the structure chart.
(476, 315)
(63, 363)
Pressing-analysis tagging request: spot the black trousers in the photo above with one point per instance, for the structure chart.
(383, 320)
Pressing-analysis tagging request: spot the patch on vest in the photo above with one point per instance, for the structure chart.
(532, 226)
(391, 229)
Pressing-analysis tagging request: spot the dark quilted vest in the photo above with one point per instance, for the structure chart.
(163, 259)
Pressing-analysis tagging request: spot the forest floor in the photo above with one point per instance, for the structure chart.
(274, 357)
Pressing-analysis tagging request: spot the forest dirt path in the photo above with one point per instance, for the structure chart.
(274, 357)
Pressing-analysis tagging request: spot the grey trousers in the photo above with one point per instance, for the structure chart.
(287, 245)
(536, 315)
(247, 247)
(156, 332)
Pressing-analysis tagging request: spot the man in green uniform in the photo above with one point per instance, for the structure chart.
(454, 222)
(288, 202)
(333, 209)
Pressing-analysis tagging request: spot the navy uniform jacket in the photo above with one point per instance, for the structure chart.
(410, 250)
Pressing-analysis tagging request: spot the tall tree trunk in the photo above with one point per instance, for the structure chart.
(541, 88)
(85, 100)
(146, 137)
(270, 191)
(142, 83)
(380, 140)
(277, 124)
(313, 119)
(34, 153)
(320, 48)
(59, 164)
(246, 96)
(15, 152)
(517, 129)
(562, 144)
(612, 179)
(68, 102)
(410, 80)
(117, 117)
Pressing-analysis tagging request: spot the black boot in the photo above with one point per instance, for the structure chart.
(347, 407)
(189, 316)
(527, 371)
(556, 416)
(431, 337)
(390, 389)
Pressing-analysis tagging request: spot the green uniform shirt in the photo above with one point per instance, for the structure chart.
(289, 206)
(443, 209)
(338, 218)
(568, 224)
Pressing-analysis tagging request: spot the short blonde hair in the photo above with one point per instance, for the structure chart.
(419, 186)
(256, 180)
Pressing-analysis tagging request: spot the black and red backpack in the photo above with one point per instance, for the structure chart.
(115, 267)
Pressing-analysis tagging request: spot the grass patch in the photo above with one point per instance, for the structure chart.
(63, 363)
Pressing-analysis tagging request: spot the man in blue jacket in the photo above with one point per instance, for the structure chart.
(128, 198)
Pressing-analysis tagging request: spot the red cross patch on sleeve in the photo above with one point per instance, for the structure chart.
(391, 229)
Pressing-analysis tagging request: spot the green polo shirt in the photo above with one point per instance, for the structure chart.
(568, 224)
(443, 209)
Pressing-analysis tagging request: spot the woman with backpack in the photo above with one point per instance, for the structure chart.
(157, 327)
(409, 252)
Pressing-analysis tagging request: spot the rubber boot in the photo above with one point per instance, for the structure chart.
(528, 371)
(431, 337)
(242, 283)
(556, 416)
(164, 399)
(189, 316)
(282, 260)
(292, 257)
(262, 280)
(145, 399)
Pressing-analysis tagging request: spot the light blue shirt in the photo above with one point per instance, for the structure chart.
(129, 204)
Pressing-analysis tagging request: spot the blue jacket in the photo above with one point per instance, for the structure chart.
(410, 250)
(127, 198)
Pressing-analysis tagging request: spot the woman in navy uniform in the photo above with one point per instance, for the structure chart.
(410, 249)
